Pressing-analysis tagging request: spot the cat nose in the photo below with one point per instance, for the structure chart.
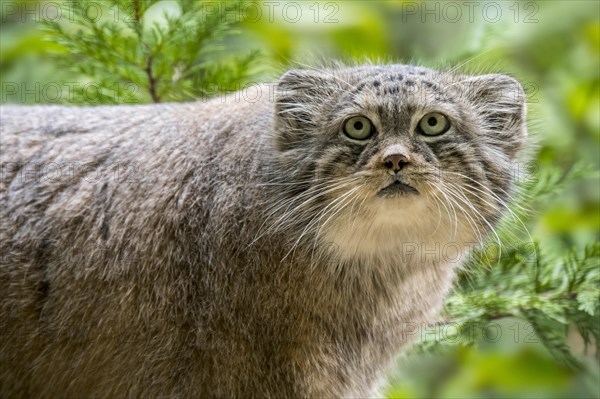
(395, 162)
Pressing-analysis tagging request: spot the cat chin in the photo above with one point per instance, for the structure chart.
(379, 227)
(397, 207)
(385, 226)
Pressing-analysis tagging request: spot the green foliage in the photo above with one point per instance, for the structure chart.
(150, 50)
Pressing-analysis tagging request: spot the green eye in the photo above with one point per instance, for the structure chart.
(358, 128)
(434, 124)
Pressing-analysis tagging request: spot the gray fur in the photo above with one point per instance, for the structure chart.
(238, 249)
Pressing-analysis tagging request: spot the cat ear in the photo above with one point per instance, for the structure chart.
(298, 98)
(499, 101)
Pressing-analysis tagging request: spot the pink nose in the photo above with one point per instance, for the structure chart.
(395, 162)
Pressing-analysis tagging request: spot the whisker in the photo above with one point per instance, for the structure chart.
(469, 204)
(451, 206)
(500, 201)
(317, 219)
(311, 195)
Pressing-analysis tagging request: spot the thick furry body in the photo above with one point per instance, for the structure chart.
(138, 261)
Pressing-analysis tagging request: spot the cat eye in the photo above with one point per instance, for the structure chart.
(434, 124)
(358, 128)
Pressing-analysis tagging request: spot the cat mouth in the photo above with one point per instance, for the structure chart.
(397, 188)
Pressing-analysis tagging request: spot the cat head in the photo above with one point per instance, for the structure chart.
(399, 149)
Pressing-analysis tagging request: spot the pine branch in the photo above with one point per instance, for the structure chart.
(152, 81)
(170, 56)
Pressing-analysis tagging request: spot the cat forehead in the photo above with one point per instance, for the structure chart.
(388, 70)
(395, 82)
(376, 75)
(392, 80)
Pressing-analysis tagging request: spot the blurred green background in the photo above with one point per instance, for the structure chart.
(552, 47)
